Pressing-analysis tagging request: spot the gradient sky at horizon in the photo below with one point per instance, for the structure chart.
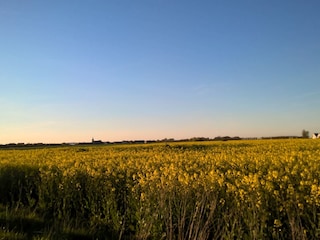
(154, 69)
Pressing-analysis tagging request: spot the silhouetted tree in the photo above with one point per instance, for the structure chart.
(305, 134)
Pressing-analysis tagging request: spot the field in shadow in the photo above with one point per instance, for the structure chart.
(25, 225)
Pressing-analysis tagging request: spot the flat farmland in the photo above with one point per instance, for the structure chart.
(257, 189)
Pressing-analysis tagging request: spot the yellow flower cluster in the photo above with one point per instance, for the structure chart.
(267, 181)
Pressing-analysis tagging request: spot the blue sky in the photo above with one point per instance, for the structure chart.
(153, 69)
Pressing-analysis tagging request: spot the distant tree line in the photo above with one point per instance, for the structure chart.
(305, 134)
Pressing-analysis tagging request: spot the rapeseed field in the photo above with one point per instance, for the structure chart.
(258, 189)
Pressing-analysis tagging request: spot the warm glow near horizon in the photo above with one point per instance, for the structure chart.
(157, 69)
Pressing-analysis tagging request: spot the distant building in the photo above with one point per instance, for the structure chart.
(96, 141)
(315, 136)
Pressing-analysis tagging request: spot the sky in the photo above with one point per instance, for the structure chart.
(152, 69)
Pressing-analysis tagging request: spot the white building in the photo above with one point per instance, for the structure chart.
(315, 135)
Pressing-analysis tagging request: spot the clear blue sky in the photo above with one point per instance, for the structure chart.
(152, 69)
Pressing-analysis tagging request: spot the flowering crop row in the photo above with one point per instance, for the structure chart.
(262, 189)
